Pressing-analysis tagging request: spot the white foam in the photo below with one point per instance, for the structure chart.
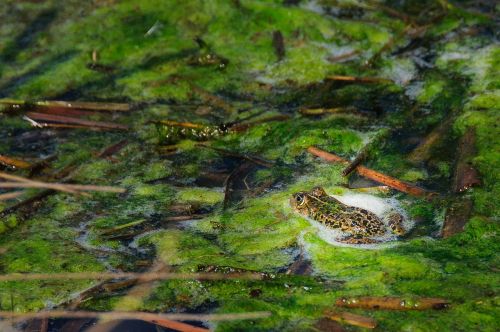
(314, 6)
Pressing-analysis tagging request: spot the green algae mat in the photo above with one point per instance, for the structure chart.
(193, 119)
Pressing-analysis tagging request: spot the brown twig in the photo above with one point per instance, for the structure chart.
(132, 275)
(355, 163)
(423, 151)
(12, 162)
(343, 56)
(365, 151)
(393, 303)
(11, 195)
(238, 127)
(81, 105)
(146, 316)
(212, 99)
(66, 120)
(373, 175)
(322, 111)
(184, 218)
(456, 217)
(178, 326)
(182, 124)
(69, 188)
(27, 183)
(466, 175)
(352, 319)
(113, 149)
(279, 44)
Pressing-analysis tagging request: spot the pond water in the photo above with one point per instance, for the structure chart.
(196, 121)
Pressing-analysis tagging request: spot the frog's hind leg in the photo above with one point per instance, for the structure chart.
(353, 239)
(395, 222)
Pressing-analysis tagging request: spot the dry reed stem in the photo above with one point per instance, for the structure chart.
(142, 276)
(146, 316)
(11, 195)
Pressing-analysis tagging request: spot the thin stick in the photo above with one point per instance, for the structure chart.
(355, 79)
(182, 124)
(27, 183)
(142, 276)
(68, 126)
(82, 105)
(353, 319)
(174, 325)
(373, 175)
(393, 303)
(11, 195)
(135, 315)
(343, 56)
(69, 188)
(321, 111)
(12, 162)
(186, 217)
(74, 121)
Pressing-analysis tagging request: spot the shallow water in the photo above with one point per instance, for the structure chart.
(222, 205)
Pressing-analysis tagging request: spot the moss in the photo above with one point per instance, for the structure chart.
(260, 233)
(430, 90)
(202, 195)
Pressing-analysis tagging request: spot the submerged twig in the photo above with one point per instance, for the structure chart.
(423, 151)
(354, 79)
(253, 159)
(185, 217)
(456, 217)
(322, 111)
(11, 195)
(113, 149)
(13, 162)
(212, 99)
(373, 175)
(466, 175)
(393, 303)
(343, 56)
(365, 151)
(279, 45)
(352, 319)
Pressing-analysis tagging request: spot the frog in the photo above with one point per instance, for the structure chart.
(360, 226)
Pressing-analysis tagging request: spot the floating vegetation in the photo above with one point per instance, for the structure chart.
(149, 151)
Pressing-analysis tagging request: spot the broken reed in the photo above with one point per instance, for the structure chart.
(140, 276)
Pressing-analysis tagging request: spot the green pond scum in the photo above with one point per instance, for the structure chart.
(415, 78)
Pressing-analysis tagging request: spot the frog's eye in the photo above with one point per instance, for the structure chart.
(299, 198)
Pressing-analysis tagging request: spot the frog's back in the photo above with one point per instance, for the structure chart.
(354, 220)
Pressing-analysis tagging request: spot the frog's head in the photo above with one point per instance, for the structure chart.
(300, 202)
(310, 203)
